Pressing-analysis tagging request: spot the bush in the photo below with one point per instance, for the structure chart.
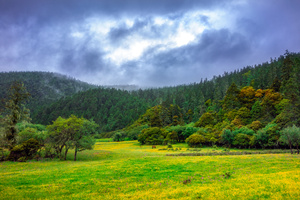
(241, 140)
(153, 135)
(117, 137)
(27, 149)
(195, 140)
(29, 133)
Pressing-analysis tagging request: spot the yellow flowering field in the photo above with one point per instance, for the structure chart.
(126, 170)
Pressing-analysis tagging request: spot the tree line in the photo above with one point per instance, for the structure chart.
(26, 141)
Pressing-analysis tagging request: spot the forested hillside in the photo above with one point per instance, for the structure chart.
(112, 109)
(257, 105)
(266, 87)
(44, 87)
(193, 96)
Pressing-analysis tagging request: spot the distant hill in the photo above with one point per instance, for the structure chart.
(45, 87)
(112, 109)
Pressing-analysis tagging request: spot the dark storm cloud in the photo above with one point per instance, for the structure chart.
(82, 62)
(65, 36)
(214, 48)
(56, 9)
(123, 30)
(272, 25)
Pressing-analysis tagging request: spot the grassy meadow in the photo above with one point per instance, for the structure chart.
(126, 170)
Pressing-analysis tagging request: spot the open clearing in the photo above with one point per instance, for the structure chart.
(124, 170)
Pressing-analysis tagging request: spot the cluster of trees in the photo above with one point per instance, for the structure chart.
(245, 117)
(25, 140)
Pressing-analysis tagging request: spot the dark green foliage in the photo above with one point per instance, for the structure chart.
(25, 151)
(45, 88)
(117, 137)
(255, 112)
(231, 100)
(14, 112)
(182, 132)
(111, 109)
(261, 138)
(241, 140)
(227, 137)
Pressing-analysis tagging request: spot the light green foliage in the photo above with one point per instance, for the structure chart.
(195, 140)
(29, 133)
(23, 125)
(153, 135)
(291, 136)
(261, 138)
(69, 133)
(244, 130)
(282, 105)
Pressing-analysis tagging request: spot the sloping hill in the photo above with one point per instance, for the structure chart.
(112, 109)
(45, 87)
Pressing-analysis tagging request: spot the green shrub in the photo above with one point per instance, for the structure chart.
(27, 149)
(241, 140)
(153, 135)
(195, 140)
(22, 159)
(29, 133)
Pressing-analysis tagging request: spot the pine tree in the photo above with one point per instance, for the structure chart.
(15, 111)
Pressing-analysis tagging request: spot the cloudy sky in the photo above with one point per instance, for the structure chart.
(145, 42)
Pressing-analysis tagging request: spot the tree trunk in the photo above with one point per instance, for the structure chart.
(66, 152)
(297, 148)
(75, 154)
(291, 147)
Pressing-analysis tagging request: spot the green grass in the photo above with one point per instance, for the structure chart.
(124, 170)
(104, 140)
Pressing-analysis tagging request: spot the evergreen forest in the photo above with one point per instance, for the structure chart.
(252, 107)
